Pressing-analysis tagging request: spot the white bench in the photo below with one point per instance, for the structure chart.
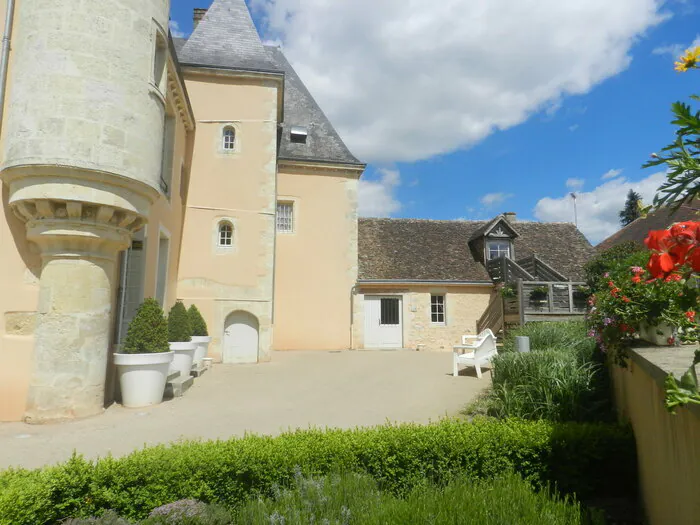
(475, 350)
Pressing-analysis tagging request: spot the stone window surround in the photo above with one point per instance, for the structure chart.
(220, 137)
(222, 249)
(225, 234)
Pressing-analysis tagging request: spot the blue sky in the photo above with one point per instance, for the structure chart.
(591, 124)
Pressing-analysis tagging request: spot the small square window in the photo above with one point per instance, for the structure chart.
(437, 309)
(285, 217)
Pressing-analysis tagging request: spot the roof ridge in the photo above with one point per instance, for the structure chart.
(419, 219)
(226, 38)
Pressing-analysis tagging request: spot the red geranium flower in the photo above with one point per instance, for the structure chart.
(626, 299)
(690, 314)
(685, 232)
(636, 279)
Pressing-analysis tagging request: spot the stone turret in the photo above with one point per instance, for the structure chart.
(82, 152)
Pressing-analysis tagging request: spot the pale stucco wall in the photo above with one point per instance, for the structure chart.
(316, 265)
(668, 448)
(464, 306)
(239, 187)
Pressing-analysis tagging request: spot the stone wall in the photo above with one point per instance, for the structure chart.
(464, 305)
(668, 447)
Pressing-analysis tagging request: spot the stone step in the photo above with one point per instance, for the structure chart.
(178, 386)
(198, 369)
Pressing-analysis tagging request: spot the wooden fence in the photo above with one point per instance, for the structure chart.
(546, 298)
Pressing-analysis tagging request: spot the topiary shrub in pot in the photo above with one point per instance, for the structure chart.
(180, 337)
(145, 357)
(200, 334)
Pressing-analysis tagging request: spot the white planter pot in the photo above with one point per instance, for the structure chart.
(202, 343)
(657, 334)
(142, 377)
(184, 356)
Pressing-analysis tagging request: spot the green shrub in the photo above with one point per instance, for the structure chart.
(552, 385)
(148, 330)
(179, 327)
(356, 498)
(563, 378)
(552, 336)
(587, 459)
(199, 325)
(606, 260)
(352, 498)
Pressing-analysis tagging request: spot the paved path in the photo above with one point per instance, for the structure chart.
(295, 390)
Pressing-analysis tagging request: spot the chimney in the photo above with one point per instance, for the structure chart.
(510, 216)
(199, 13)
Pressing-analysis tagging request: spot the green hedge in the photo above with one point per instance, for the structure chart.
(591, 460)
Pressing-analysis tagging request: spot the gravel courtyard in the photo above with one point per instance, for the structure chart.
(295, 390)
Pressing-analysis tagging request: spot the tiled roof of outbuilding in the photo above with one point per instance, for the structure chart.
(416, 249)
(637, 230)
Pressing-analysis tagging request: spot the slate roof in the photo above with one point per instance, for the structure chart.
(300, 109)
(179, 44)
(637, 230)
(416, 249)
(226, 38)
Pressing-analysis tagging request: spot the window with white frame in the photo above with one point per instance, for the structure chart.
(496, 249)
(285, 217)
(228, 140)
(225, 234)
(437, 309)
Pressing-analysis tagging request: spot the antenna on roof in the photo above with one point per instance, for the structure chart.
(573, 196)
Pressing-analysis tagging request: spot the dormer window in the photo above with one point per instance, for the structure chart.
(497, 248)
(298, 134)
(228, 140)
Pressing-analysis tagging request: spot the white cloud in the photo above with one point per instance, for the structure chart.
(575, 184)
(407, 80)
(492, 199)
(598, 209)
(573, 127)
(676, 50)
(611, 174)
(175, 30)
(377, 198)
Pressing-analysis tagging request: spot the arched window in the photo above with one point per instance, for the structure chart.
(229, 139)
(225, 234)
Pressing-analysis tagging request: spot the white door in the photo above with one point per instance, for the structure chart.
(383, 322)
(241, 338)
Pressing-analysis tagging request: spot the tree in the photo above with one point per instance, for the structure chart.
(632, 209)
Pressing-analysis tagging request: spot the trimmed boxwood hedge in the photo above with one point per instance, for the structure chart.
(590, 460)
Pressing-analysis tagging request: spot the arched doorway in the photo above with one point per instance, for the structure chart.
(241, 335)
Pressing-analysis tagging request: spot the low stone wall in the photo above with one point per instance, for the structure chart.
(668, 446)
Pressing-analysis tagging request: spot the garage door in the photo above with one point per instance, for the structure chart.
(383, 322)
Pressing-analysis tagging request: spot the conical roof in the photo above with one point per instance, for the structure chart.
(226, 38)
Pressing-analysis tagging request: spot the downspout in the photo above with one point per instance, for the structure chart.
(4, 60)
